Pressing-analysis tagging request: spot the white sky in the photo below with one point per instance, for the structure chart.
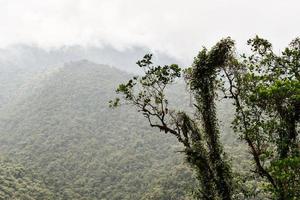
(176, 27)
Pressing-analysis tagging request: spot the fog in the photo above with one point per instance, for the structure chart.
(174, 27)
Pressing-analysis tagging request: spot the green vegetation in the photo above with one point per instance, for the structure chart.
(234, 122)
(202, 146)
(63, 130)
(18, 183)
(264, 90)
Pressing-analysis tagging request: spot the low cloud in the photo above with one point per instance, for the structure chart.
(178, 28)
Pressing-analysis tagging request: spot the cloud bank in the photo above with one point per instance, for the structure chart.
(176, 27)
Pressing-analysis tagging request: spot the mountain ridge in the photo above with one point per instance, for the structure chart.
(65, 132)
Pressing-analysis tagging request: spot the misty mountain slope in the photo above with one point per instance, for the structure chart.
(19, 63)
(65, 132)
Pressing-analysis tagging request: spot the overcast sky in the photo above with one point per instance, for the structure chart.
(176, 27)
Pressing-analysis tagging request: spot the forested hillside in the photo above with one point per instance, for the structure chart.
(62, 129)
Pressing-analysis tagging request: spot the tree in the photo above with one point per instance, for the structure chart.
(202, 79)
(265, 88)
(200, 134)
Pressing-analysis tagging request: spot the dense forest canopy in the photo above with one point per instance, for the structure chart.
(17, 182)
